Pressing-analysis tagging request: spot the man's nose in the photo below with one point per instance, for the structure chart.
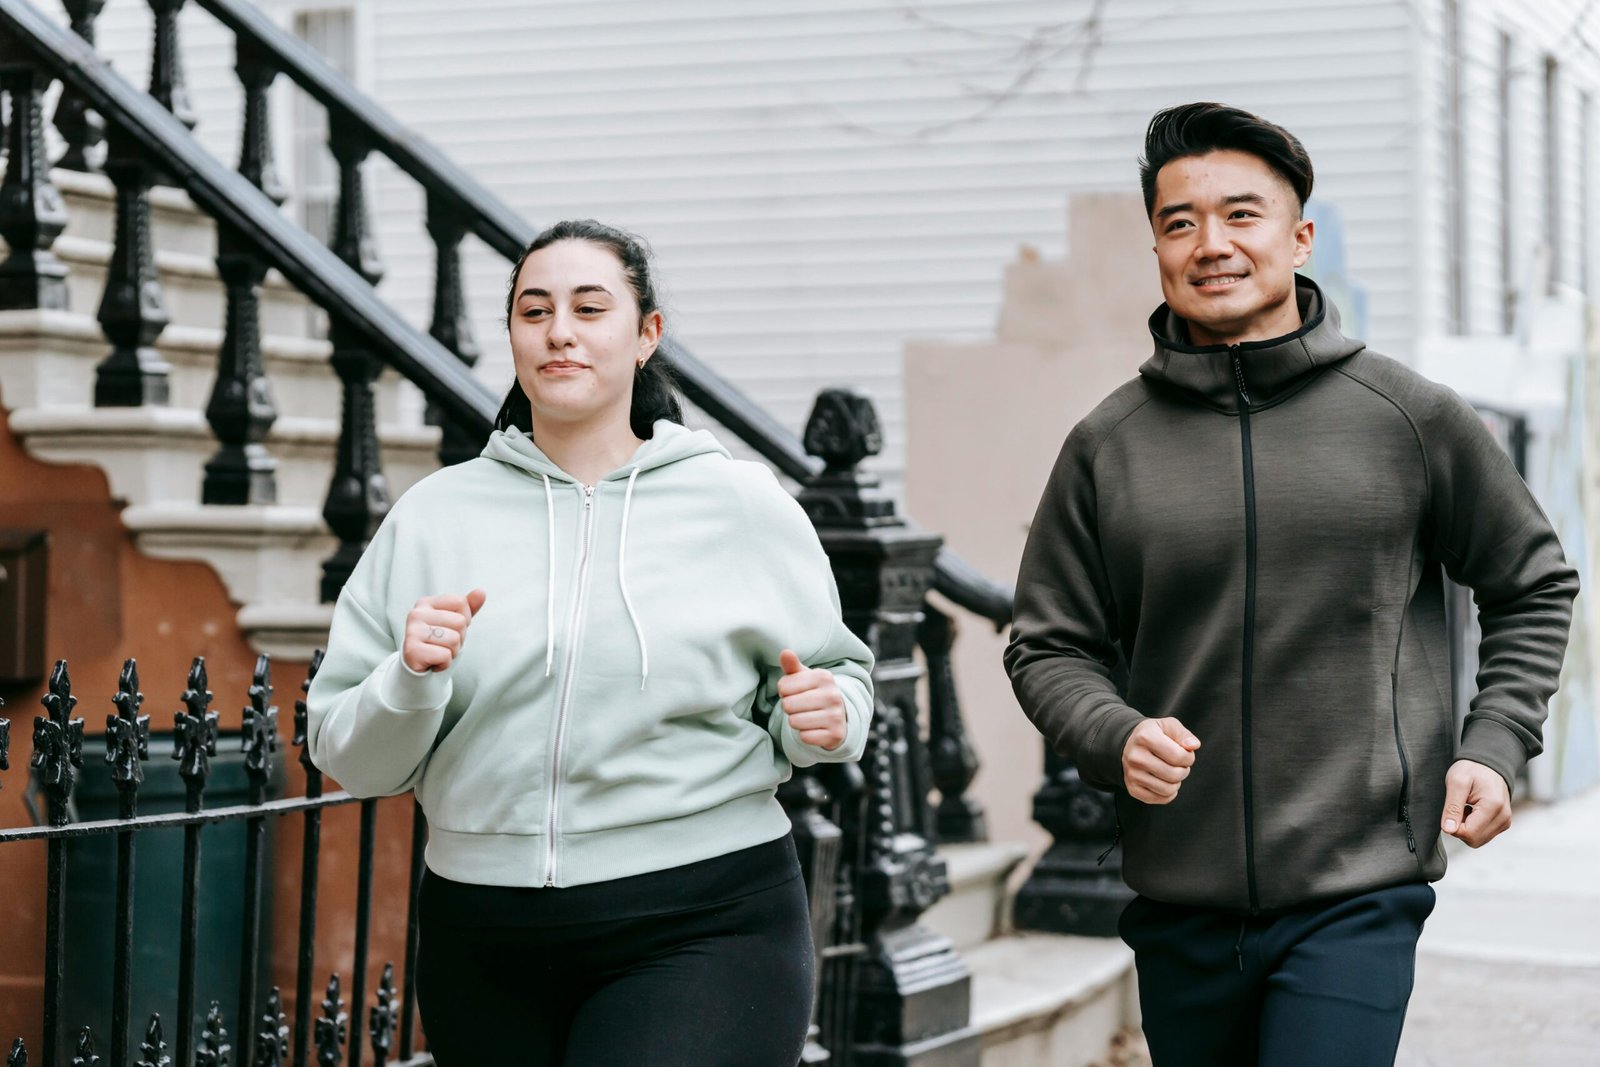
(1215, 243)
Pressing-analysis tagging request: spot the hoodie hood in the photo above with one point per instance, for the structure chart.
(1269, 367)
(668, 443)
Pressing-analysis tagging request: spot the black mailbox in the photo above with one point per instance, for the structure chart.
(24, 569)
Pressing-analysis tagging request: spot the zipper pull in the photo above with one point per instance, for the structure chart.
(588, 497)
(1238, 374)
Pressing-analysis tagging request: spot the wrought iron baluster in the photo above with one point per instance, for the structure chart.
(332, 1027)
(311, 844)
(818, 841)
(32, 213)
(241, 410)
(408, 1002)
(840, 975)
(5, 743)
(955, 764)
(358, 977)
(127, 747)
(914, 994)
(256, 75)
(214, 1051)
(81, 127)
(272, 1040)
(358, 495)
(451, 325)
(153, 1052)
(196, 743)
(260, 742)
(132, 311)
(167, 83)
(381, 1021)
(85, 1055)
(57, 756)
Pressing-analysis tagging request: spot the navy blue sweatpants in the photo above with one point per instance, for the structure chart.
(1324, 986)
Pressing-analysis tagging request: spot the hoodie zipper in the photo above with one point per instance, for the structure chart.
(567, 670)
(1248, 666)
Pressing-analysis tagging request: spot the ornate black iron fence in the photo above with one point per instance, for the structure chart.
(255, 1031)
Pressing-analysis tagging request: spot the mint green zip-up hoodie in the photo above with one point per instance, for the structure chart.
(614, 707)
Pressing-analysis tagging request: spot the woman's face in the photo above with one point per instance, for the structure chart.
(576, 335)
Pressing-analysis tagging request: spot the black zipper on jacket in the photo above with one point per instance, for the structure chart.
(1246, 680)
(1404, 814)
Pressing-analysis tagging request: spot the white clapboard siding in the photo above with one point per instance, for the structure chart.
(824, 182)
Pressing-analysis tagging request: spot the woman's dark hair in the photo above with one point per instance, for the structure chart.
(653, 394)
(1195, 129)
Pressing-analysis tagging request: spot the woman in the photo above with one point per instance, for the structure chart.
(610, 877)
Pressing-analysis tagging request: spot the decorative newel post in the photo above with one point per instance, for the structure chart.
(913, 989)
(1076, 887)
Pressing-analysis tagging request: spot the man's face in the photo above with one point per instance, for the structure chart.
(1229, 238)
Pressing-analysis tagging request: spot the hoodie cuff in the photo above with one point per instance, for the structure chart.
(403, 689)
(1100, 762)
(1491, 744)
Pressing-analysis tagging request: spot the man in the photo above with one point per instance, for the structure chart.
(1260, 523)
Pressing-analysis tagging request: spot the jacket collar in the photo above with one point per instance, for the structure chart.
(1270, 367)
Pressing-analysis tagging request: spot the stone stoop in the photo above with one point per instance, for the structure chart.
(268, 557)
(1050, 1000)
(1038, 1000)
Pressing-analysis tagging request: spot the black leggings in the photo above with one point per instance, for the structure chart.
(722, 982)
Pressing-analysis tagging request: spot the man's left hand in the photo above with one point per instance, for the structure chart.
(1477, 803)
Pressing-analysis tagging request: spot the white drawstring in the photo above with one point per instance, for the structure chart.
(550, 592)
(622, 581)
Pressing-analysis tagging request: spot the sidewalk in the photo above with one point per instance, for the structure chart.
(1508, 970)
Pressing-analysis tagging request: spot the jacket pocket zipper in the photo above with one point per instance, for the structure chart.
(1404, 814)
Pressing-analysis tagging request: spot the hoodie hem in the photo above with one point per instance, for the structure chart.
(603, 855)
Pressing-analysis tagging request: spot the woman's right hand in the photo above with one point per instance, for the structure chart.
(436, 628)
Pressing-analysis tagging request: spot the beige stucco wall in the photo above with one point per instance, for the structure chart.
(984, 424)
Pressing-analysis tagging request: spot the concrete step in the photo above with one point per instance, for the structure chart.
(176, 224)
(191, 290)
(286, 631)
(975, 909)
(48, 359)
(1043, 1000)
(157, 455)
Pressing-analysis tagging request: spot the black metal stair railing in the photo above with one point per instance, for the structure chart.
(262, 1036)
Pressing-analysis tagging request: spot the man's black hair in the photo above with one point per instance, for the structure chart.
(1196, 129)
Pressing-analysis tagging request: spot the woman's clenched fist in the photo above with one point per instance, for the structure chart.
(436, 628)
(813, 703)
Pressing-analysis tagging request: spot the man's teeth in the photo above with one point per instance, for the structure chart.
(1221, 279)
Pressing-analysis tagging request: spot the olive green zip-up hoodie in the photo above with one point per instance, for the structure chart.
(1263, 530)
(614, 707)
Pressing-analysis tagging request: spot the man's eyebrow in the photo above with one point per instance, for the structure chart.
(1236, 198)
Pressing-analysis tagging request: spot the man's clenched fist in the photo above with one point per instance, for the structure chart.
(436, 628)
(1157, 758)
